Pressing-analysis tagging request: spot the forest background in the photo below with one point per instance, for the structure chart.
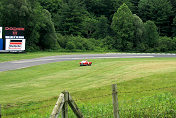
(94, 25)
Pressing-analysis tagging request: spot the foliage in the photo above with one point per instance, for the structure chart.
(139, 31)
(174, 27)
(108, 42)
(102, 28)
(48, 38)
(135, 6)
(151, 34)
(119, 3)
(70, 18)
(37, 22)
(110, 22)
(51, 5)
(158, 11)
(166, 44)
(173, 2)
(89, 26)
(78, 43)
(122, 25)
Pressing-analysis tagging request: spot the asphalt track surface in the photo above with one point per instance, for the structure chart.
(13, 65)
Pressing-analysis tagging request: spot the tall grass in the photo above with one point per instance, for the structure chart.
(158, 106)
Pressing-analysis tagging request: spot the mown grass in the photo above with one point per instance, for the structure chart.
(38, 87)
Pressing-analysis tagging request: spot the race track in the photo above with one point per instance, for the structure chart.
(13, 65)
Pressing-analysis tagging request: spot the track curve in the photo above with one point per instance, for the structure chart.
(13, 65)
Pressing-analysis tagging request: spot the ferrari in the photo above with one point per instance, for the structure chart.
(85, 63)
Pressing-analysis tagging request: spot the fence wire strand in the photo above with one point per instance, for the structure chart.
(147, 90)
(121, 92)
(95, 97)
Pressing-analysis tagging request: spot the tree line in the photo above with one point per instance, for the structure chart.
(120, 25)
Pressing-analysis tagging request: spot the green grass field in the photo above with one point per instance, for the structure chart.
(24, 91)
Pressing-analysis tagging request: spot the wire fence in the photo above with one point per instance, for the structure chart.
(156, 106)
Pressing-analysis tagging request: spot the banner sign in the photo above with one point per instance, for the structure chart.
(15, 44)
(14, 33)
(0, 32)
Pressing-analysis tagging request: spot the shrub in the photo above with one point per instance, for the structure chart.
(166, 44)
(79, 43)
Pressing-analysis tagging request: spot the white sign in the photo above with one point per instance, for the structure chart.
(15, 44)
(0, 32)
(14, 37)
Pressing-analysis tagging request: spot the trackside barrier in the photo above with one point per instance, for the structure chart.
(65, 99)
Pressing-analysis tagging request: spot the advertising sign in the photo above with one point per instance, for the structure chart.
(14, 39)
(14, 32)
(15, 44)
(0, 32)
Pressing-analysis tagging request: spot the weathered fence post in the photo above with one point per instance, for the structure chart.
(65, 107)
(0, 110)
(115, 101)
(75, 108)
(58, 106)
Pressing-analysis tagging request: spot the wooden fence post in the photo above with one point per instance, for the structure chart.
(65, 107)
(0, 110)
(115, 101)
(58, 106)
(75, 108)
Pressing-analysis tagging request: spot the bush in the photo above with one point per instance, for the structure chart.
(166, 44)
(79, 43)
(108, 42)
(70, 45)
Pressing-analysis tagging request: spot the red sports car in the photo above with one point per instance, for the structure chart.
(85, 63)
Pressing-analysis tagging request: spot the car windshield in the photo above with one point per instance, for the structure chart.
(83, 61)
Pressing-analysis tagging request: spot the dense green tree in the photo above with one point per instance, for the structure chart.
(105, 7)
(151, 34)
(101, 28)
(174, 27)
(91, 19)
(122, 25)
(159, 11)
(48, 38)
(135, 6)
(29, 14)
(51, 5)
(89, 26)
(70, 18)
(173, 2)
(138, 34)
(100, 7)
(1, 12)
(118, 3)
